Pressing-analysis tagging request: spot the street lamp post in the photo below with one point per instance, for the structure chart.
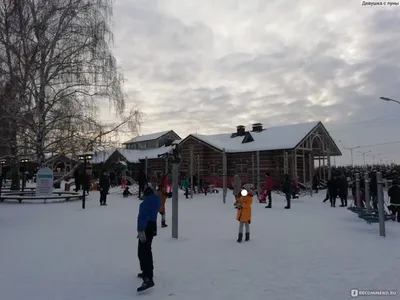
(85, 157)
(351, 153)
(389, 99)
(364, 153)
(24, 161)
(2, 162)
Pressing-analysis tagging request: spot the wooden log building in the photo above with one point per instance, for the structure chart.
(291, 149)
(250, 154)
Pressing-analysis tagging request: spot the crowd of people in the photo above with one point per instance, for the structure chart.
(344, 178)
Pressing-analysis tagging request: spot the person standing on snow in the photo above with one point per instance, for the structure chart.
(394, 194)
(243, 215)
(162, 193)
(332, 190)
(287, 189)
(147, 230)
(237, 186)
(185, 185)
(104, 184)
(343, 191)
(142, 181)
(268, 188)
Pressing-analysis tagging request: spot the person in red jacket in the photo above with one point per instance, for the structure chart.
(268, 188)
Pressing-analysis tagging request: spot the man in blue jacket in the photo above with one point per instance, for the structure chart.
(147, 229)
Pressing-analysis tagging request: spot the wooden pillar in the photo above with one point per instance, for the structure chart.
(329, 166)
(319, 167)
(253, 169)
(224, 174)
(295, 165)
(304, 168)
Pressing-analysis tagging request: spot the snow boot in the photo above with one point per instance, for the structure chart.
(240, 237)
(269, 205)
(287, 207)
(163, 224)
(147, 283)
(247, 236)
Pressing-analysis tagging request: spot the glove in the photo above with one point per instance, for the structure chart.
(142, 236)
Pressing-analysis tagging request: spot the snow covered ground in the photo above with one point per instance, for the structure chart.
(61, 252)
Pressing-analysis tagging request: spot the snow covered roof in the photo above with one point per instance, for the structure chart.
(134, 156)
(147, 137)
(272, 138)
(102, 156)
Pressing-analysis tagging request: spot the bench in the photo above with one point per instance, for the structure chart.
(67, 196)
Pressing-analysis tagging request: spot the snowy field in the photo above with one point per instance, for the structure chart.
(60, 252)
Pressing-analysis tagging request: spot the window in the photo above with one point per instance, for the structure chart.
(241, 168)
(213, 169)
(142, 145)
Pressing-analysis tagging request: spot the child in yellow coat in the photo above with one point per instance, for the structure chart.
(243, 215)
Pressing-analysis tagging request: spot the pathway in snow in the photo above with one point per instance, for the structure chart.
(313, 251)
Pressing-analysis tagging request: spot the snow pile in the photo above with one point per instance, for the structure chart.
(313, 251)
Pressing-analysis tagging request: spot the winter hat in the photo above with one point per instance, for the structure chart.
(249, 188)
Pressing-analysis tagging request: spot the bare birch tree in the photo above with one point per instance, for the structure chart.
(60, 54)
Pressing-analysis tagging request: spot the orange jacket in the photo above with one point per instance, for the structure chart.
(163, 197)
(244, 213)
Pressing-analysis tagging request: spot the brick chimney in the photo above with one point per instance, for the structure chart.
(240, 130)
(257, 127)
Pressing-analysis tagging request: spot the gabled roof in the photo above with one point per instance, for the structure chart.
(272, 138)
(102, 156)
(131, 155)
(147, 137)
(134, 156)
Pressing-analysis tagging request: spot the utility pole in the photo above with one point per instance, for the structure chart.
(351, 153)
(176, 160)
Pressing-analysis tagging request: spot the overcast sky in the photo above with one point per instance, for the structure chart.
(210, 65)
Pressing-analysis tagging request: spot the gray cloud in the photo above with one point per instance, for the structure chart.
(212, 65)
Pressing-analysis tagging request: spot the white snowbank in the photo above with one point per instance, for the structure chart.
(313, 251)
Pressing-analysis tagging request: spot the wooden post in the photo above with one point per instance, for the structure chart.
(253, 169)
(311, 162)
(329, 166)
(295, 166)
(285, 162)
(258, 171)
(191, 172)
(198, 174)
(145, 166)
(304, 168)
(224, 174)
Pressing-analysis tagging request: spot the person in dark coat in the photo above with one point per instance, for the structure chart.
(315, 183)
(142, 181)
(333, 191)
(394, 194)
(104, 185)
(268, 188)
(77, 179)
(147, 230)
(112, 179)
(287, 189)
(373, 188)
(343, 190)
